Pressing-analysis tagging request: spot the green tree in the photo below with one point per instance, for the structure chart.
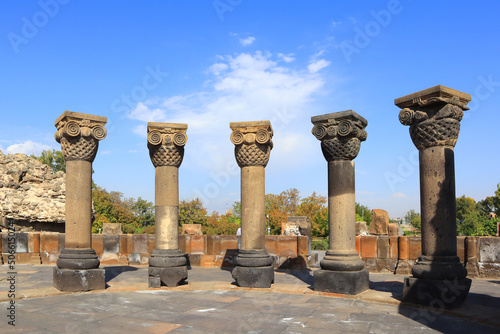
(52, 158)
(192, 212)
(112, 207)
(414, 219)
(477, 224)
(465, 206)
(364, 213)
(145, 211)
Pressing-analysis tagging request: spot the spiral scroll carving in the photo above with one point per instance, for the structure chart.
(341, 135)
(166, 146)
(434, 122)
(253, 145)
(79, 139)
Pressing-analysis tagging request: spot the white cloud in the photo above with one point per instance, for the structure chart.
(318, 65)
(28, 147)
(399, 195)
(287, 58)
(247, 41)
(242, 87)
(141, 130)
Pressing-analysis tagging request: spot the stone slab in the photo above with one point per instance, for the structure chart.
(79, 280)
(441, 294)
(436, 91)
(112, 228)
(489, 250)
(344, 282)
(170, 277)
(254, 277)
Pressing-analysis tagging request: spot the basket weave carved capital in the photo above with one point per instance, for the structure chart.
(433, 115)
(340, 133)
(253, 142)
(166, 143)
(79, 135)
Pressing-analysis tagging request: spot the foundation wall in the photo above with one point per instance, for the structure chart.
(481, 255)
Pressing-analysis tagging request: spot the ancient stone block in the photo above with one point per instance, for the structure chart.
(111, 243)
(272, 244)
(171, 276)
(345, 282)
(207, 261)
(34, 242)
(254, 277)
(111, 228)
(151, 243)
(303, 245)
(404, 248)
(141, 243)
(287, 246)
(79, 280)
(191, 229)
(489, 250)
(228, 242)
(461, 249)
(440, 294)
(380, 222)
(198, 244)
(383, 249)
(361, 228)
(49, 242)
(98, 243)
(393, 229)
(415, 247)
(185, 243)
(369, 246)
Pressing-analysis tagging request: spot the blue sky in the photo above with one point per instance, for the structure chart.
(208, 63)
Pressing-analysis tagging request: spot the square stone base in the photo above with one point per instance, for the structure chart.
(443, 294)
(166, 276)
(346, 282)
(79, 280)
(254, 277)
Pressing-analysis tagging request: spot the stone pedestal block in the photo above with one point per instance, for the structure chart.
(254, 277)
(79, 280)
(171, 276)
(442, 294)
(346, 282)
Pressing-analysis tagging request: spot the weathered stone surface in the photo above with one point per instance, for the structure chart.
(254, 277)
(394, 229)
(112, 228)
(380, 222)
(170, 277)
(361, 228)
(191, 229)
(31, 196)
(441, 294)
(79, 280)
(489, 250)
(346, 282)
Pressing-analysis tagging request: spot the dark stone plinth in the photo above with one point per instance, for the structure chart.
(442, 294)
(346, 282)
(79, 280)
(253, 258)
(171, 276)
(164, 258)
(254, 277)
(78, 259)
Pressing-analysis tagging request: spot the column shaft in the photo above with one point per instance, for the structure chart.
(437, 201)
(167, 207)
(253, 227)
(341, 206)
(78, 204)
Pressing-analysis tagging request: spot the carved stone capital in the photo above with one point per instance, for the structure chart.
(166, 143)
(253, 142)
(79, 135)
(340, 133)
(433, 115)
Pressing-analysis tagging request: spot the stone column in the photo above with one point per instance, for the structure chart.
(167, 264)
(253, 144)
(434, 116)
(342, 270)
(77, 266)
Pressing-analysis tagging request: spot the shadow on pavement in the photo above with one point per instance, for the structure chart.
(112, 272)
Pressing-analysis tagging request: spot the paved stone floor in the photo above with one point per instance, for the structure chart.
(211, 303)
